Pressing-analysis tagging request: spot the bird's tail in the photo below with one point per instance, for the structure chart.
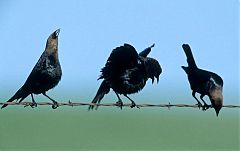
(103, 89)
(190, 59)
(21, 93)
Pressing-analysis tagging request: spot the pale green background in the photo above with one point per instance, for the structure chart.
(90, 29)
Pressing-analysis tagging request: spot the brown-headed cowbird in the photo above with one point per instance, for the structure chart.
(204, 82)
(127, 72)
(45, 75)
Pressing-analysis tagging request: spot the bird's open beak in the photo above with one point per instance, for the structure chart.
(157, 78)
(152, 80)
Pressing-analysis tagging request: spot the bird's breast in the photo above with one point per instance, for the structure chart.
(47, 79)
(126, 87)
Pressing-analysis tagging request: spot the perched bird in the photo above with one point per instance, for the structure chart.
(127, 72)
(45, 75)
(204, 82)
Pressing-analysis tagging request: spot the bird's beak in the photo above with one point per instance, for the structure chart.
(157, 78)
(56, 33)
(152, 45)
(217, 112)
(217, 109)
(152, 79)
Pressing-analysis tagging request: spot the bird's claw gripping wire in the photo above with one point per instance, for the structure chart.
(55, 105)
(199, 105)
(119, 104)
(33, 104)
(206, 107)
(134, 105)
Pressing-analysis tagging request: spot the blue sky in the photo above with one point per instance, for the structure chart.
(91, 29)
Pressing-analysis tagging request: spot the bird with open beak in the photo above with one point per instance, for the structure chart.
(127, 72)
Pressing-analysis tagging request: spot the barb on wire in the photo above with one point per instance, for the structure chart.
(73, 104)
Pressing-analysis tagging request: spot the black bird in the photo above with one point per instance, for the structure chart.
(204, 82)
(126, 72)
(45, 75)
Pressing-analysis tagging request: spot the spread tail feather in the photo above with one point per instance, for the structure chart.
(20, 94)
(190, 59)
(103, 89)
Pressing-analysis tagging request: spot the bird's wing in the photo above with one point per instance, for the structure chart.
(134, 79)
(206, 77)
(122, 58)
(32, 80)
(202, 76)
(36, 71)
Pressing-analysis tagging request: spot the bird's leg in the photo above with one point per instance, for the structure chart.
(33, 104)
(199, 104)
(133, 103)
(205, 106)
(55, 103)
(119, 103)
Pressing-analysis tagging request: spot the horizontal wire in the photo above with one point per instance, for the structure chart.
(69, 103)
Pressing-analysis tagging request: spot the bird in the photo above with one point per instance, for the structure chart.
(203, 82)
(126, 72)
(45, 75)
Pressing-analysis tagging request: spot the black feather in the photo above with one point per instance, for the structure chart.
(126, 72)
(146, 51)
(103, 89)
(203, 82)
(45, 75)
(190, 59)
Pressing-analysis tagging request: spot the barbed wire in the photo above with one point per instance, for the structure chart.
(74, 104)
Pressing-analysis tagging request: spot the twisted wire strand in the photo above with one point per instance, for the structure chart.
(74, 104)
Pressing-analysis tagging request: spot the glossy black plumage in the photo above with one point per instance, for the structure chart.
(203, 82)
(45, 75)
(126, 72)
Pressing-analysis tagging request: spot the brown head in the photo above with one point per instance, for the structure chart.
(52, 43)
(153, 68)
(216, 97)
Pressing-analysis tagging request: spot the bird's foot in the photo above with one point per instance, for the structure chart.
(134, 105)
(119, 104)
(55, 105)
(199, 105)
(33, 104)
(206, 106)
